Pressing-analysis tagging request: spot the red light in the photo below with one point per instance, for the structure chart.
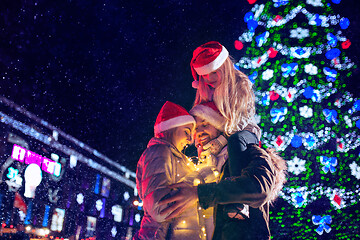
(3, 225)
(11, 226)
(346, 44)
(238, 45)
(251, 1)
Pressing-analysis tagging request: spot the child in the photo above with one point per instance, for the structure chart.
(162, 164)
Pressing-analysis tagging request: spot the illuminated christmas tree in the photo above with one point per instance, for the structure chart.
(295, 53)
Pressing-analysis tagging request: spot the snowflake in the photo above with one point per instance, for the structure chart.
(315, 3)
(306, 112)
(299, 33)
(268, 74)
(80, 198)
(296, 166)
(99, 204)
(113, 231)
(355, 170)
(311, 69)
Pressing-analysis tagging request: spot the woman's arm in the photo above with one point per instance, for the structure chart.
(252, 187)
(237, 144)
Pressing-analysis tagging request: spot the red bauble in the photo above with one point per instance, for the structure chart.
(272, 52)
(346, 44)
(238, 45)
(251, 1)
(277, 18)
(274, 95)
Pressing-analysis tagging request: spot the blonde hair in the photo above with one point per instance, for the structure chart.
(233, 97)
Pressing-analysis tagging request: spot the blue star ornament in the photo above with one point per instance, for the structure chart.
(298, 199)
(310, 140)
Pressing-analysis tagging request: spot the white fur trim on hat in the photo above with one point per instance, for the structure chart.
(214, 65)
(174, 122)
(209, 115)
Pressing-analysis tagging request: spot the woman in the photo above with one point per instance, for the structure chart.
(160, 165)
(216, 79)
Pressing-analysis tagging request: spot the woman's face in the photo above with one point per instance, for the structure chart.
(183, 136)
(212, 79)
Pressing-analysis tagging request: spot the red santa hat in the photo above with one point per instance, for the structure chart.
(210, 113)
(170, 116)
(206, 59)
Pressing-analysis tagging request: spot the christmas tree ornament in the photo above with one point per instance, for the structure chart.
(323, 223)
(329, 164)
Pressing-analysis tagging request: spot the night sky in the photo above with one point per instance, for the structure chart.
(101, 70)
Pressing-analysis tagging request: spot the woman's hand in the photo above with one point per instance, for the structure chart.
(185, 197)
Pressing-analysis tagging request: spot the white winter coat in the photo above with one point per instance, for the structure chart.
(160, 165)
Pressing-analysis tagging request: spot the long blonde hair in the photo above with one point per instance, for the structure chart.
(233, 97)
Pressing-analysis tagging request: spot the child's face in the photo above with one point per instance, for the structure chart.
(204, 132)
(183, 136)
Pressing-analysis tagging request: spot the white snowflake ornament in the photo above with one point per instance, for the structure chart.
(269, 73)
(296, 166)
(299, 33)
(315, 3)
(306, 112)
(311, 69)
(355, 170)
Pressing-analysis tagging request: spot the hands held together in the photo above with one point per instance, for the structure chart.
(185, 197)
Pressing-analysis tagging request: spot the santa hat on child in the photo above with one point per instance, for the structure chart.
(170, 116)
(206, 59)
(209, 112)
